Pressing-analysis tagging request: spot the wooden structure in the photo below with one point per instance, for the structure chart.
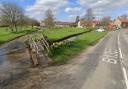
(38, 48)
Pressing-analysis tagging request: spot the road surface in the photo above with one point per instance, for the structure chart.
(16, 71)
(103, 66)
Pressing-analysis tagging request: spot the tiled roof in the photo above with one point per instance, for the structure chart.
(112, 23)
(123, 19)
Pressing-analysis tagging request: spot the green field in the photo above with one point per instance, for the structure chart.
(63, 53)
(59, 33)
(6, 36)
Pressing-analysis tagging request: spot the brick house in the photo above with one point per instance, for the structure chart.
(57, 24)
(62, 24)
(122, 22)
(111, 25)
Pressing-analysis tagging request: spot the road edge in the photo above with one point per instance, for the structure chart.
(121, 61)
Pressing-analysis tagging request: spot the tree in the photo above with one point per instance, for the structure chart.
(105, 21)
(74, 24)
(33, 22)
(49, 19)
(77, 19)
(27, 21)
(11, 15)
(89, 14)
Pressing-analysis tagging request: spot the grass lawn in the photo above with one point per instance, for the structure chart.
(6, 36)
(62, 32)
(62, 53)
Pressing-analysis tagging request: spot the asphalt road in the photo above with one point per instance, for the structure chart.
(110, 71)
(14, 65)
(103, 66)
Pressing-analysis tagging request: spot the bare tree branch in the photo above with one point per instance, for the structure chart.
(49, 19)
(11, 15)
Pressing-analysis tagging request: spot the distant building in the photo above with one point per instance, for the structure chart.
(57, 24)
(122, 22)
(111, 25)
(42, 24)
(87, 23)
(62, 24)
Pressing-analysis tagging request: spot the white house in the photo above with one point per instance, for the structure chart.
(86, 23)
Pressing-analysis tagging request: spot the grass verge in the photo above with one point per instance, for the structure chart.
(62, 32)
(6, 36)
(63, 53)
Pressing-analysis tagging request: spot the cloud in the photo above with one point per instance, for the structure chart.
(72, 10)
(40, 6)
(0, 8)
(100, 8)
(103, 7)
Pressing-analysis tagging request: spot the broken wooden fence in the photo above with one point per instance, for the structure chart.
(38, 47)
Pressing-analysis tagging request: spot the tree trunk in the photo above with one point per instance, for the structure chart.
(32, 26)
(15, 27)
(11, 28)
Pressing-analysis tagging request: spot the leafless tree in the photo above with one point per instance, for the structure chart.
(49, 19)
(11, 15)
(105, 21)
(33, 22)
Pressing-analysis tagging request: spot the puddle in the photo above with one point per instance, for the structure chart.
(10, 62)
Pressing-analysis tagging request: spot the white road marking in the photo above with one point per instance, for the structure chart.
(123, 68)
(110, 56)
(111, 50)
(125, 76)
(113, 61)
(121, 56)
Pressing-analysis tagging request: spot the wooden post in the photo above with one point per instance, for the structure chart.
(32, 53)
(35, 47)
(34, 57)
